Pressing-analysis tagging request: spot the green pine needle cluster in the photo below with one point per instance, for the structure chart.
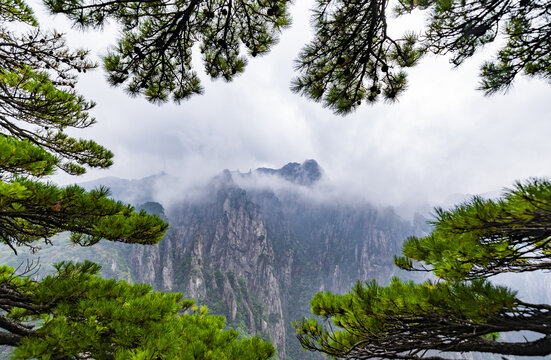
(351, 60)
(460, 312)
(74, 314)
(153, 56)
(403, 312)
(79, 314)
(486, 237)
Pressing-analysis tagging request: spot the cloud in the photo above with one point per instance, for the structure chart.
(442, 136)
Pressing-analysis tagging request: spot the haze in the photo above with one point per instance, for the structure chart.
(442, 137)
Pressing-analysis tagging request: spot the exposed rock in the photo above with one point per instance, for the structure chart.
(258, 257)
(306, 173)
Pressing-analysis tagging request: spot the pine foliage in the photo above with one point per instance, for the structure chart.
(81, 316)
(351, 60)
(74, 314)
(482, 237)
(153, 56)
(459, 28)
(37, 105)
(460, 312)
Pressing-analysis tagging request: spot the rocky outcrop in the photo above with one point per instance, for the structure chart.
(218, 252)
(306, 173)
(258, 255)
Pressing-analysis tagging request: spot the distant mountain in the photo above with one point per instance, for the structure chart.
(306, 173)
(131, 191)
(255, 247)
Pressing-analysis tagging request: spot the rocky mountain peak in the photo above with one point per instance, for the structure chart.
(307, 173)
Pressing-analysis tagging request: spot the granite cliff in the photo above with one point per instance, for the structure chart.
(257, 253)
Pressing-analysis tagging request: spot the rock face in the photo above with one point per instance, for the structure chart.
(306, 173)
(258, 256)
(218, 252)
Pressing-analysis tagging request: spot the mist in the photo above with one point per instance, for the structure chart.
(442, 136)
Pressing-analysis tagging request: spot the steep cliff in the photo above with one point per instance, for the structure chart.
(218, 252)
(256, 250)
(327, 247)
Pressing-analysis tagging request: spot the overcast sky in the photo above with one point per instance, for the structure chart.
(442, 137)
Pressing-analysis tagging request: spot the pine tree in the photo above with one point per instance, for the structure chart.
(482, 238)
(153, 57)
(74, 314)
(352, 58)
(462, 311)
(37, 105)
(83, 316)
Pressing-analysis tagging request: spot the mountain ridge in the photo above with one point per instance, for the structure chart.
(257, 254)
(256, 247)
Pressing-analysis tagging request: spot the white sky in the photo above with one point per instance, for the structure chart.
(442, 137)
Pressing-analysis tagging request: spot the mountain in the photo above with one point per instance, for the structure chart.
(132, 191)
(256, 247)
(306, 173)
